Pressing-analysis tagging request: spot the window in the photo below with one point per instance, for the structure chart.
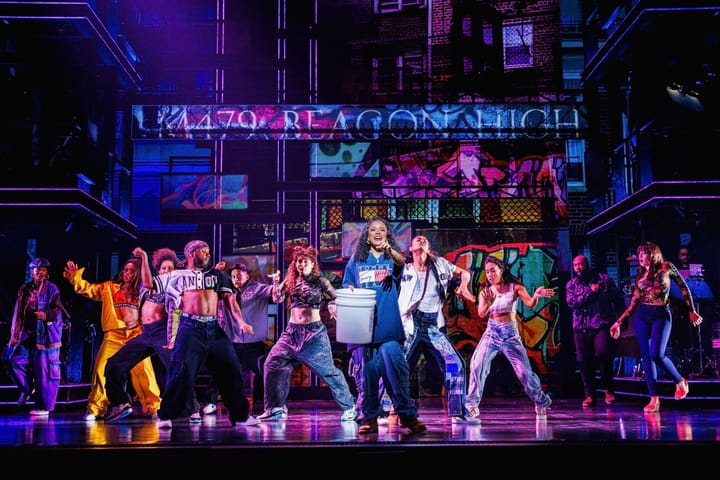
(575, 150)
(401, 73)
(518, 43)
(384, 6)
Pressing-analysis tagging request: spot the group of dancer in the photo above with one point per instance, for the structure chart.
(193, 316)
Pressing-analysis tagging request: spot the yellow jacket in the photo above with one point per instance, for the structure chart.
(100, 292)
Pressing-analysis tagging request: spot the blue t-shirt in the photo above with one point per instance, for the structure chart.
(371, 274)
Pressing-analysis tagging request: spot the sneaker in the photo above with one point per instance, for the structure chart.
(39, 413)
(369, 426)
(89, 417)
(609, 397)
(467, 420)
(118, 412)
(413, 424)
(541, 411)
(164, 424)
(349, 415)
(210, 409)
(195, 418)
(472, 412)
(274, 414)
(682, 389)
(588, 402)
(383, 420)
(250, 422)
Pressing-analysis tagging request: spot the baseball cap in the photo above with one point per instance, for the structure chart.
(40, 262)
(238, 266)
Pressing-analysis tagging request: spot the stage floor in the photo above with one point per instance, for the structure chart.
(314, 428)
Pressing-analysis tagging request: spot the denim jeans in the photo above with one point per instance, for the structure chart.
(503, 337)
(370, 363)
(428, 339)
(197, 343)
(653, 325)
(307, 344)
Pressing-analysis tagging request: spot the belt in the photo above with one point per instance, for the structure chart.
(200, 318)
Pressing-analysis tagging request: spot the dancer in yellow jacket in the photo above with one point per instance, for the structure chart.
(120, 322)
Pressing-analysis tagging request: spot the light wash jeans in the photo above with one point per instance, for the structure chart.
(308, 344)
(503, 337)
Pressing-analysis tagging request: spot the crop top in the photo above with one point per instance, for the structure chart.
(504, 302)
(311, 292)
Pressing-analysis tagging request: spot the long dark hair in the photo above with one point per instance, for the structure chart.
(656, 263)
(134, 281)
(506, 276)
(362, 249)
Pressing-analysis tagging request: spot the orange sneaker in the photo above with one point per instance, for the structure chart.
(609, 397)
(588, 402)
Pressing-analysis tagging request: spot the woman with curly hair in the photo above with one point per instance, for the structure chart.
(305, 339)
(377, 265)
(652, 320)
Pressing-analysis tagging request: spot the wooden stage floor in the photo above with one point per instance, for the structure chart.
(313, 430)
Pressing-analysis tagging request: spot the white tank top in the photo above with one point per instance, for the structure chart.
(504, 302)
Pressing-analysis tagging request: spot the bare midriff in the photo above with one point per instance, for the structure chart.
(501, 317)
(304, 315)
(199, 302)
(152, 313)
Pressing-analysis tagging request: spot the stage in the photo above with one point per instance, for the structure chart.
(313, 432)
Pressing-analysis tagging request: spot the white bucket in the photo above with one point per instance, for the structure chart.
(355, 315)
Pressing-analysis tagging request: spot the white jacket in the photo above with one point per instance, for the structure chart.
(408, 281)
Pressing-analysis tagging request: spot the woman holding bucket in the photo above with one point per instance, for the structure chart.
(305, 339)
(376, 265)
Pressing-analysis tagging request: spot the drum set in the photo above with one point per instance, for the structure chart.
(697, 358)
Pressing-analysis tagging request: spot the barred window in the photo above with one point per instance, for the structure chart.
(518, 45)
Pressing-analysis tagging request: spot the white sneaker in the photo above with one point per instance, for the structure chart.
(195, 418)
(383, 421)
(210, 409)
(250, 422)
(89, 417)
(164, 424)
(274, 414)
(465, 420)
(39, 413)
(349, 415)
(541, 411)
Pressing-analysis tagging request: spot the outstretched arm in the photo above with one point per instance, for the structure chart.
(531, 301)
